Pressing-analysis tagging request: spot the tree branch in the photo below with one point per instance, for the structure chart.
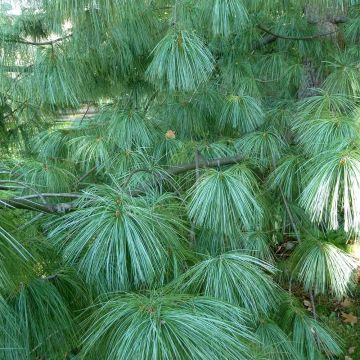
(264, 41)
(179, 169)
(48, 42)
(83, 177)
(26, 203)
(48, 195)
(296, 38)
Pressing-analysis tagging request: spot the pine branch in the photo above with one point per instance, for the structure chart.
(296, 38)
(48, 195)
(264, 41)
(83, 177)
(42, 43)
(202, 163)
(26, 203)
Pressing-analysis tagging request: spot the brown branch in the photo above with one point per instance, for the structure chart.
(86, 112)
(179, 169)
(83, 177)
(48, 195)
(264, 41)
(296, 38)
(48, 42)
(26, 203)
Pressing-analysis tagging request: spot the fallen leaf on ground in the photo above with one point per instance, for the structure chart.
(349, 318)
(347, 302)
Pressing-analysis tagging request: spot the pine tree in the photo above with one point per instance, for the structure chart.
(157, 157)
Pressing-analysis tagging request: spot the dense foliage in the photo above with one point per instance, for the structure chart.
(176, 177)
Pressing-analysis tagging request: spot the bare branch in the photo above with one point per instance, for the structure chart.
(83, 177)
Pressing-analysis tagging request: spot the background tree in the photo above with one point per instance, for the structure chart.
(176, 176)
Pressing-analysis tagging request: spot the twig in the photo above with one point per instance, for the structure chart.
(48, 195)
(48, 42)
(23, 185)
(84, 116)
(151, 99)
(27, 204)
(87, 174)
(296, 38)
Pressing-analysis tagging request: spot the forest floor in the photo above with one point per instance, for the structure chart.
(343, 317)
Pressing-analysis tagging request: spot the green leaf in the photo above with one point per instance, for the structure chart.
(286, 177)
(257, 244)
(117, 241)
(344, 77)
(168, 327)
(332, 189)
(309, 337)
(225, 200)
(226, 16)
(11, 339)
(275, 342)
(318, 135)
(47, 176)
(181, 62)
(239, 279)
(242, 112)
(326, 102)
(5, 7)
(264, 148)
(129, 129)
(44, 319)
(322, 267)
